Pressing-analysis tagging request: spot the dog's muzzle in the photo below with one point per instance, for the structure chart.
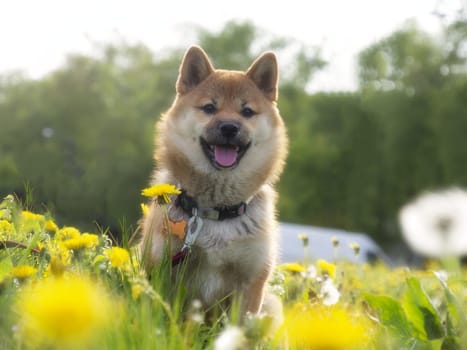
(225, 144)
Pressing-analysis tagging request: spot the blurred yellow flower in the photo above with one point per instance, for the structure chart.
(326, 268)
(161, 191)
(67, 232)
(6, 229)
(27, 215)
(4, 214)
(23, 271)
(86, 240)
(137, 290)
(304, 238)
(355, 247)
(292, 267)
(119, 258)
(57, 266)
(63, 312)
(324, 328)
(30, 222)
(73, 243)
(91, 239)
(50, 225)
(144, 209)
(57, 250)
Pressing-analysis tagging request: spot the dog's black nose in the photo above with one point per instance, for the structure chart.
(229, 129)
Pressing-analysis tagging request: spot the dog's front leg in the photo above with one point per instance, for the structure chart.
(253, 294)
(154, 242)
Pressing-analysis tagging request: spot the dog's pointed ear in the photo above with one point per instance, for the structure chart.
(194, 69)
(265, 74)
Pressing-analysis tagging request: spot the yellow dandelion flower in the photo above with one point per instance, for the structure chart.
(23, 271)
(136, 291)
(31, 222)
(144, 209)
(67, 232)
(119, 258)
(63, 312)
(91, 239)
(322, 328)
(57, 266)
(51, 226)
(5, 214)
(27, 215)
(86, 240)
(292, 267)
(355, 247)
(73, 243)
(60, 252)
(304, 238)
(161, 191)
(326, 268)
(6, 229)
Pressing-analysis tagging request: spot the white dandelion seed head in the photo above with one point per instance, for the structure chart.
(231, 338)
(311, 272)
(196, 304)
(435, 224)
(329, 293)
(197, 317)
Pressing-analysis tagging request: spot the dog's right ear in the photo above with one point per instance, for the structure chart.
(194, 69)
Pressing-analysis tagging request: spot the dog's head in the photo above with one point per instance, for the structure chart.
(224, 121)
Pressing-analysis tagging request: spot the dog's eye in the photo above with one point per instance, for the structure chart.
(209, 108)
(247, 112)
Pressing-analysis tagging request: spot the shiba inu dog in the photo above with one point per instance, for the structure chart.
(223, 143)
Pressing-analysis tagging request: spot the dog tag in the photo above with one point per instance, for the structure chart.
(193, 229)
(177, 228)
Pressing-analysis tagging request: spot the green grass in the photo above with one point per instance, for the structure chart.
(375, 307)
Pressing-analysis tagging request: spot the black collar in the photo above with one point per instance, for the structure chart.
(190, 207)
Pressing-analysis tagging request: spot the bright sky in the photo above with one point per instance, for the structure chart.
(35, 36)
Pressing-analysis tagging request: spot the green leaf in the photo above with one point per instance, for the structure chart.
(390, 314)
(451, 343)
(455, 318)
(419, 344)
(421, 312)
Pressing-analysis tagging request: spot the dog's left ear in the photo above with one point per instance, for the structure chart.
(265, 74)
(194, 69)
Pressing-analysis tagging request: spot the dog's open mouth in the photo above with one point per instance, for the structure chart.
(223, 156)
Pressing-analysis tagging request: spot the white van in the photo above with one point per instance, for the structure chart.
(320, 245)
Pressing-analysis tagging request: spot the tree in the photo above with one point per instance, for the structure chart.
(239, 43)
(408, 60)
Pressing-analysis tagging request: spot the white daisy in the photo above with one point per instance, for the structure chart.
(435, 224)
(329, 293)
(231, 338)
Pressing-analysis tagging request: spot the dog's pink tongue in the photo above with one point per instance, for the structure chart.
(225, 156)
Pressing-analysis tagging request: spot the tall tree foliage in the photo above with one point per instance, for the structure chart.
(81, 137)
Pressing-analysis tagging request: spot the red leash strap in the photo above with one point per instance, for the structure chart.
(179, 257)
